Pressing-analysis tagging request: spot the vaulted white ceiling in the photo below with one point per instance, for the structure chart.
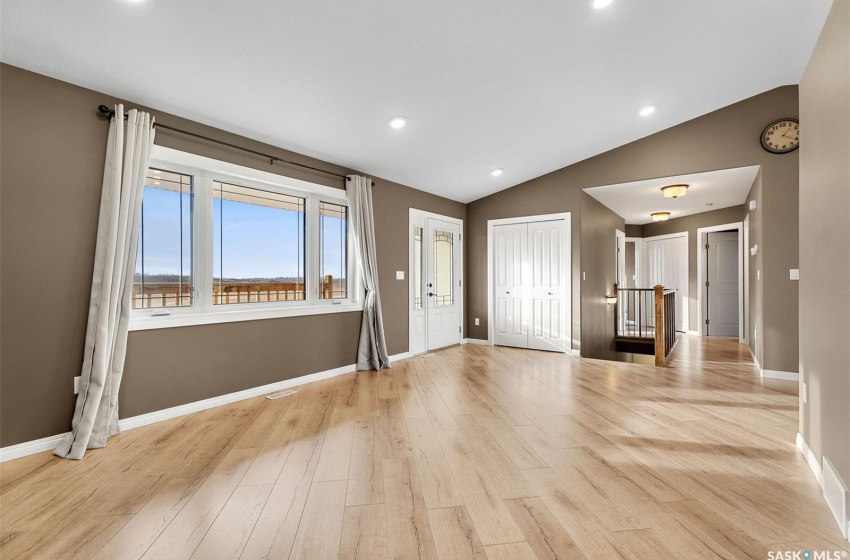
(527, 86)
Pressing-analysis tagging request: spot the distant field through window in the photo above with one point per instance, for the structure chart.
(219, 242)
(258, 245)
(333, 256)
(163, 276)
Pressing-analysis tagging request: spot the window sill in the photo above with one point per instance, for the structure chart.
(144, 323)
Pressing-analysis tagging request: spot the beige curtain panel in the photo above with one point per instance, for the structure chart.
(128, 152)
(372, 347)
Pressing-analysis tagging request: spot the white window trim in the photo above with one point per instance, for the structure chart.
(204, 312)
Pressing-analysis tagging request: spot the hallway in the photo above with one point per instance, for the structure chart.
(471, 452)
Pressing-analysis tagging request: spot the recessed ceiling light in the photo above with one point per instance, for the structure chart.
(398, 122)
(599, 4)
(646, 111)
(497, 172)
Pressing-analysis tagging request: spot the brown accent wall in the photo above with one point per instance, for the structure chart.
(53, 149)
(825, 243)
(599, 247)
(690, 224)
(723, 139)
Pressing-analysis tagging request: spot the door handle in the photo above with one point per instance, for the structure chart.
(430, 294)
(508, 293)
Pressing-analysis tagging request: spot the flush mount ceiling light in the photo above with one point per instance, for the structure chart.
(497, 172)
(660, 216)
(599, 4)
(674, 191)
(398, 122)
(646, 111)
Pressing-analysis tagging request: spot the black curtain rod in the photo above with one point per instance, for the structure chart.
(104, 110)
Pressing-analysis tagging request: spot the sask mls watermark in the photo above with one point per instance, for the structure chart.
(806, 555)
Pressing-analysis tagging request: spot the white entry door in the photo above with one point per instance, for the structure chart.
(530, 285)
(722, 285)
(436, 297)
(667, 265)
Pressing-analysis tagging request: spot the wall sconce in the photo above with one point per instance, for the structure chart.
(610, 299)
(674, 191)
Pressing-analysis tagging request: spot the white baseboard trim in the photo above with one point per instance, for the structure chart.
(30, 447)
(695, 333)
(783, 375)
(478, 341)
(803, 447)
(49, 443)
(574, 352)
(835, 492)
(772, 373)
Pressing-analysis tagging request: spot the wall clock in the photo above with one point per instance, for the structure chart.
(782, 136)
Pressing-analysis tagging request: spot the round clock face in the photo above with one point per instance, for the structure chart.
(782, 136)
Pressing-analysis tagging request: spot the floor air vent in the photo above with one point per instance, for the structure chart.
(836, 495)
(280, 394)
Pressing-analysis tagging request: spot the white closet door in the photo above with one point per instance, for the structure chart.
(510, 244)
(667, 264)
(546, 291)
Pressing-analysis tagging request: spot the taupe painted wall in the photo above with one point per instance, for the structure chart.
(723, 139)
(599, 248)
(756, 326)
(825, 243)
(53, 148)
(690, 224)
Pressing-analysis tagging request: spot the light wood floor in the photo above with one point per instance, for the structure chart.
(473, 452)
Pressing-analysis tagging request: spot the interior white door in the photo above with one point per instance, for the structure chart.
(546, 294)
(442, 266)
(621, 259)
(510, 246)
(722, 287)
(667, 264)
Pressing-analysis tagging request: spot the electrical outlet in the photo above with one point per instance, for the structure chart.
(477, 321)
(77, 385)
(795, 274)
(804, 394)
(399, 275)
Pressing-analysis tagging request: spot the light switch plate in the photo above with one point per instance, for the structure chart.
(77, 385)
(477, 321)
(804, 394)
(795, 274)
(753, 205)
(399, 275)
(758, 274)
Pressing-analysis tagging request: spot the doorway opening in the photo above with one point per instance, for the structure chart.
(720, 263)
(435, 281)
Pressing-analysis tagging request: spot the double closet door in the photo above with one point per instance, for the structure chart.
(530, 285)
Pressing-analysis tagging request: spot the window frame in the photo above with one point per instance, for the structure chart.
(204, 172)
